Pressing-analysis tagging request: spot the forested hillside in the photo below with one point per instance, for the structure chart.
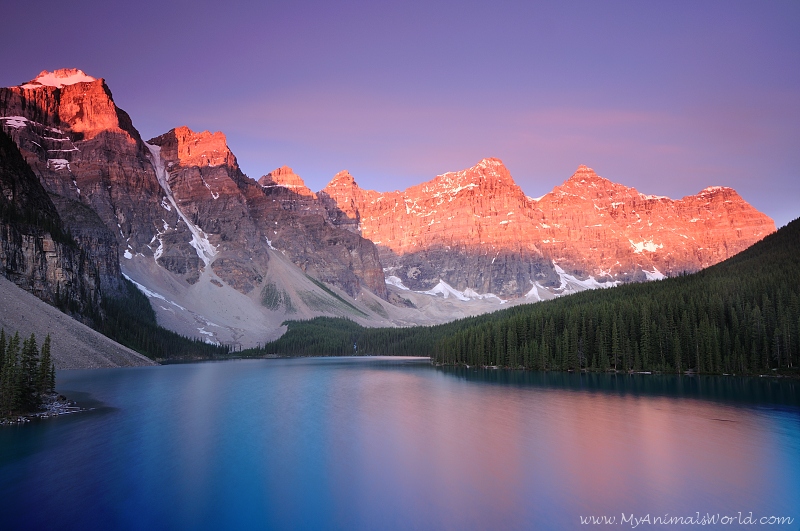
(740, 316)
(130, 321)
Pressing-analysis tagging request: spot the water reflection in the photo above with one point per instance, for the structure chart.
(733, 389)
(398, 444)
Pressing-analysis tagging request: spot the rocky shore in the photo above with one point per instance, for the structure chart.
(54, 405)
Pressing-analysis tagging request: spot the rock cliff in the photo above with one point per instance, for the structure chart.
(178, 213)
(85, 149)
(180, 199)
(37, 253)
(475, 229)
(241, 219)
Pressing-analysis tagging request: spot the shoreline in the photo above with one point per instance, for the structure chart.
(55, 405)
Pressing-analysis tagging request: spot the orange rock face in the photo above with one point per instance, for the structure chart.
(85, 149)
(201, 149)
(588, 226)
(287, 178)
(601, 227)
(478, 207)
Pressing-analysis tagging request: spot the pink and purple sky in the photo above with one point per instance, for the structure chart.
(668, 97)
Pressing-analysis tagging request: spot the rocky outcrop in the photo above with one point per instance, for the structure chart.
(206, 186)
(242, 220)
(599, 227)
(476, 229)
(84, 148)
(285, 177)
(296, 222)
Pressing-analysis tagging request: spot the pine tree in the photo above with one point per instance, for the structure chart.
(45, 364)
(9, 393)
(614, 344)
(2, 352)
(29, 367)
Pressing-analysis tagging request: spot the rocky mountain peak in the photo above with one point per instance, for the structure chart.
(58, 78)
(69, 100)
(190, 148)
(342, 179)
(719, 192)
(287, 178)
(487, 168)
(489, 174)
(586, 175)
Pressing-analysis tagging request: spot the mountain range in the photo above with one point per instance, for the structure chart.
(227, 258)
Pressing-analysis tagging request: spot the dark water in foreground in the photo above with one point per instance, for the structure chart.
(397, 444)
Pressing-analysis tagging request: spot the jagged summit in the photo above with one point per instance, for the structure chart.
(589, 225)
(490, 162)
(195, 148)
(286, 178)
(489, 172)
(585, 174)
(283, 176)
(58, 78)
(709, 190)
(486, 167)
(343, 178)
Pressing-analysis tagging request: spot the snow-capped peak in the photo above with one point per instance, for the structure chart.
(58, 78)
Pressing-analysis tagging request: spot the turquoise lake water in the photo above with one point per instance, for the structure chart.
(388, 443)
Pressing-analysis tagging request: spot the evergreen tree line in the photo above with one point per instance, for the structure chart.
(130, 321)
(26, 374)
(334, 336)
(739, 316)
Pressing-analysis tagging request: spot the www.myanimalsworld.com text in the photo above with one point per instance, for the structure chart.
(697, 519)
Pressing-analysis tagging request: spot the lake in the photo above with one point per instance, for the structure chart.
(394, 443)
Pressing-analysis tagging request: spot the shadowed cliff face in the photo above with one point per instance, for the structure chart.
(476, 229)
(37, 253)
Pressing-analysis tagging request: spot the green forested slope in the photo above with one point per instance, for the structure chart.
(739, 316)
(130, 320)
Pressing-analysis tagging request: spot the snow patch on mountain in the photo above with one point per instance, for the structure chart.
(397, 282)
(646, 245)
(58, 78)
(153, 294)
(655, 274)
(534, 294)
(446, 290)
(572, 284)
(205, 250)
(58, 164)
(472, 294)
(15, 122)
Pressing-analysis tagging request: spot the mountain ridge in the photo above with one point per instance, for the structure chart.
(587, 226)
(177, 215)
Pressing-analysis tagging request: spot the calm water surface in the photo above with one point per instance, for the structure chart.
(380, 443)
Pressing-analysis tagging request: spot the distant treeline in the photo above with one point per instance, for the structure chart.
(26, 374)
(130, 320)
(739, 316)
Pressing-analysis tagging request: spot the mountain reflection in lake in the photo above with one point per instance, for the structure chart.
(377, 443)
